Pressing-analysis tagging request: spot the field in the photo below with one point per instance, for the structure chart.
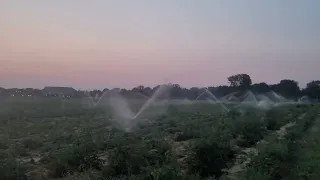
(64, 139)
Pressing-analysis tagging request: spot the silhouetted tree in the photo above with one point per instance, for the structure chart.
(95, 93)
(260, 88)
(164, 91)
(138, 89)
(124, 91)
(221, 91)
(147, 91)
(176, 91)
(313, 90)
(287, 88)
(193, 93)
(241, 81)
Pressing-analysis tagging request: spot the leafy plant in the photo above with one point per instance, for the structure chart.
(75, 158)
(209, 157)
(10, 169)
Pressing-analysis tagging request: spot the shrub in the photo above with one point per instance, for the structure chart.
(31, 144)
(269, 162)
(128, 160)
(173, 130)
(183, 136)
(4, 143)
(251, 130)
(19, 149)
(257, 174)
(92, 175)
(209, 158)
(166, 172)
(10, 169)
(124, 160)
(233, 113)
(76, 158)
(271, 121)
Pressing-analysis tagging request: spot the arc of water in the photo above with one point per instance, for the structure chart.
(216, 99)
(145, 105)
(276, 95)
(248, 97)
(264, 98)
(140, 94)
(254, 97)
(225, 98)
(211, 101)
(90, 97)
(243, 97)
(150, 100)
(200, 95)
(95, 103)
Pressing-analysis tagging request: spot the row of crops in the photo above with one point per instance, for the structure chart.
(188, 142)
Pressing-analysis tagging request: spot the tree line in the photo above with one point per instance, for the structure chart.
(240, 82)
(287, 88)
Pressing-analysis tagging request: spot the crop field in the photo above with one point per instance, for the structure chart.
(55, 139)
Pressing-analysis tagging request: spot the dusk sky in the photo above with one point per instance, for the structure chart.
(125, 43)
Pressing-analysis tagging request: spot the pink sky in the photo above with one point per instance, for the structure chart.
(124, 44)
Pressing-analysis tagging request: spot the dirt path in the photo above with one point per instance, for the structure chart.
(283, 130)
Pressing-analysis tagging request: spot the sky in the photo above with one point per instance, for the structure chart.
(125, 43)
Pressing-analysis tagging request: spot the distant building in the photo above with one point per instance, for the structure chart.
(14, 91)
(59, 91)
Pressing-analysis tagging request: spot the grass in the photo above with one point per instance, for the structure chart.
(50, 139)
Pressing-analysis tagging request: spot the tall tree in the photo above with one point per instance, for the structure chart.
(176, 91)
(95, 93)
(194, 92)
(260, 87)
(241, 81)
(221, 91)
(313, 90)
(287, 88)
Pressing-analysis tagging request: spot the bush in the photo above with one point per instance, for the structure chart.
(271, 121)
(92, 175)
(124, 161)
(31, 144)
(19, 149)
(233, 113)
(270, 161)
(209, 158)
(183, 136)
(159, 152)
(131, 160)
(76, 158)
(252, 130)
(3, 155)
(173, 130)
(257, 174)
(10, 169)
(166, 172)
(4, 143)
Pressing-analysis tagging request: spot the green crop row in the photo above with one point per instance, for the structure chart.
(278, 158)
(86, 142)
